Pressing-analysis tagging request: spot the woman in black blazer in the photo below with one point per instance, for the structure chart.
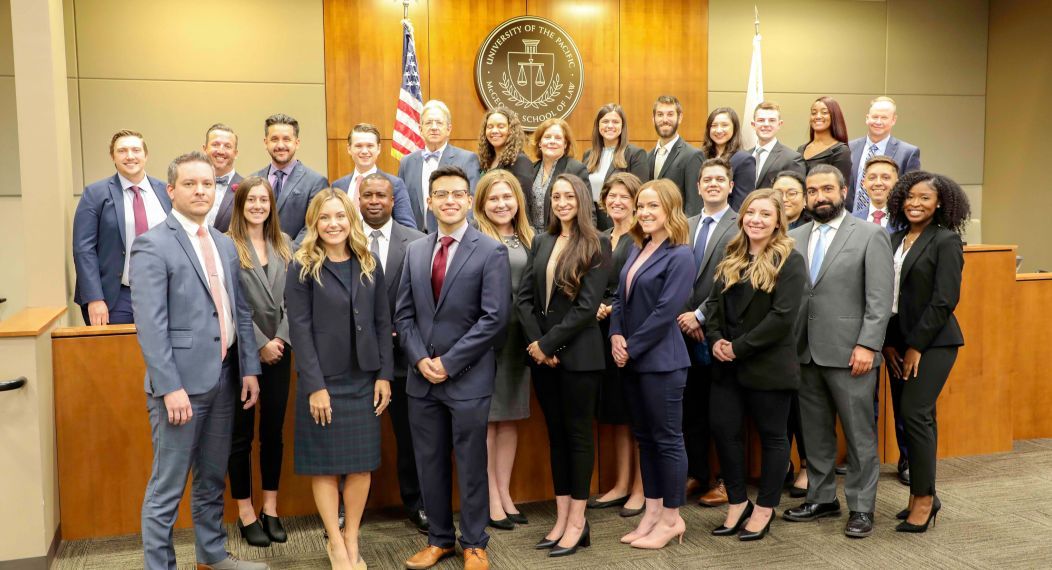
(723, 140)
(340, 323)
(554, 148)
(611, 153)
(828, 138)
(500, 146)
(923, 335)
(758, 291)
(559, 295)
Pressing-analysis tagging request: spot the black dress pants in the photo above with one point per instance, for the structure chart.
(408, 482)
(918, 415)
(696, 436)
(273, 399)
(568, 400)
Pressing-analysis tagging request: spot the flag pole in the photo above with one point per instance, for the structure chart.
(755, 22)
(405, 9)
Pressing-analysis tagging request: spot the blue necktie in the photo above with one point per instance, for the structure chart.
(820, 251)
(699, 244)
(279, 176)
(861, 198)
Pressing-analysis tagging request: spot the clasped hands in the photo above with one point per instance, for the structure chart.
(432, 369)
(272, 351)
(723, 350)
(689, 325)
(539, 357)
(619, 350)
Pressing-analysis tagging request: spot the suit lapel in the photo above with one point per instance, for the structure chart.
(772, 157)
(160, 189)
(847, 227)
(726, 223)
(422, 273)
(327, 266)
(117, 197)
(892, 148)
(917, 249)
(659, 254)
(188, 248)
(289, 184)
(540, 264)
(395, 253)
(230, 268)
(460, 257)
(671, 158)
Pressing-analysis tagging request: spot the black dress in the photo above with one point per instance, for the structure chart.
(613, 406)
(838, 155)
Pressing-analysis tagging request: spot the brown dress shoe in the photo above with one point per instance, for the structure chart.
(428, 557)
(475, 559)
(693, 486)
(715, 497)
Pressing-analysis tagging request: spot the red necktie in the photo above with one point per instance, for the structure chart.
(139, 211)
(213, 285)
(438, 266)
(878, 215)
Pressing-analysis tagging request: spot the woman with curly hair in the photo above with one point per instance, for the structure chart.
(500, 146)
(923, 335)
(828, 138)
(340, 324)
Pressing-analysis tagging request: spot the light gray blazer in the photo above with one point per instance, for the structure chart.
(175, 317)
(850, 303)
(265, 291)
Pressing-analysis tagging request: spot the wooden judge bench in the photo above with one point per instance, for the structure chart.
(996, 394)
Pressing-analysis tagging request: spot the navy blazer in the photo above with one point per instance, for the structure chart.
(463, 326)
(743, 166)
(297, 190)
(226, 207)
(929, 289)
(646, 317)
(411, 170)
(98, 239)
(319, 323)
(906, 156)
(403, 208)
(401, 237)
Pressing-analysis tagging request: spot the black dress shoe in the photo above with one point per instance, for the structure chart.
(253, 533)
(859, 525)
(628, 513)
(594, 503)
(545, 543)
(585, 540)
(790, 477)
(797, 493)
(518, 518)
(811, 511)
(273, 527)
(732, 530)
(503, 524)
(419, 520)
(904, 476)
(747, 536)
(841, 469)
(905, 513)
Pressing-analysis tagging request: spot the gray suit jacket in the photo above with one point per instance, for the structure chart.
(781, 158)
(265, 291)
(296, 193)
(906, 155)
(715, 249)
(226, 207)
(401, 237)
(850, 303)
(411, 169)
(175, 317)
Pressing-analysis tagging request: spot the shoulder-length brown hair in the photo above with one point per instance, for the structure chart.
(630, 181)
(567, 135)
(238, 230)
(510, 153)
(598, 142)
(576, 258)
(672, 203)
(521, 221)
(761, 272)
(733, 145)
(311, 254)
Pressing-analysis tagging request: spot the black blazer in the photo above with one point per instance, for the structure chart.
(226, 207)
(637, 164)
(523, 171)
(401, 237)
(929, 289)
(781, 158)
(838, 155)
(568, 329)
(564, 164)
(682, 167)
(617, 262)
(319, 323)
(762, 338)
(743, 166)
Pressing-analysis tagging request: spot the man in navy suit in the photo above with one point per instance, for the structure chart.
(221, 148)
(415, 170)
(878, 141)
(111, 214)
(294, 184)
(363, 144)
(454, 300)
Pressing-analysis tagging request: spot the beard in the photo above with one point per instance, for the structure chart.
(826, 211)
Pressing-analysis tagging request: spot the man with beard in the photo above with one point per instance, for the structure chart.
(840, 332)
(221, 148)
(673, 158)
(294, 184)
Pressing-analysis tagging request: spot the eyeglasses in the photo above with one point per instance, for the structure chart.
(434, 123)
(443, 194)
(791, 194)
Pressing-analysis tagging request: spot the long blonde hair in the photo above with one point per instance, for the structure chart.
(311, 254)
(238, 230)
(676, 224)
(521, 222)
(762, 271)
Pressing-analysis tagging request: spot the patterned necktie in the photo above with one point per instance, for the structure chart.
(820, 251)
(279, 178)
(438, 267)
(139, 211)
(878, 215)
(214, 285)
(701, 242)
(374, 246)
(861, 197)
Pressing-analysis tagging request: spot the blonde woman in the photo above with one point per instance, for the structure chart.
(758, 290)
(500, 212)
(337, 300)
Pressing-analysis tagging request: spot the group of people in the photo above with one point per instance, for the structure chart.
(659, 292)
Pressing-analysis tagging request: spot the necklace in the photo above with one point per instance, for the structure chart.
(511, 241)
(909, 239)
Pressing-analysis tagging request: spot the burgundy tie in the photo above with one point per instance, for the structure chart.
(438, 267)
(139, 211)
(878, 215)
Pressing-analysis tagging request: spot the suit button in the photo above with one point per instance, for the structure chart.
(358, 328)
(215, 314)
(356, 311)
(811, 317)
(217, 339)
(811, 295)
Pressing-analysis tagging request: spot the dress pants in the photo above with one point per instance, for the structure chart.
(769, 410)
(442, 426)
(202, 444)
(696, 436)
(895, 385)
(656, 399)
(918, 415)
(273, 400)
(796, 428)
(120, 314)
(568, 400)
(826, 393)
(398, 412)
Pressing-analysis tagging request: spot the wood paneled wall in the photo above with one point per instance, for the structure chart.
(1031, 395)
(628, 53)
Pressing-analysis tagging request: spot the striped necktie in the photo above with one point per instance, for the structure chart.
(861, 197)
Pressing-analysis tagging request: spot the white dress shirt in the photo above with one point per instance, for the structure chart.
(154, 215)
(457, 235)
(597, 178)
(384, 241)
(834, 225)
(426, 169)
(226, 313)
(899, 257)
(762, 158)
(712, 227)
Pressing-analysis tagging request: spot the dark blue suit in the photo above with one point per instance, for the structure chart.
(907, 156)
(743, 165)
(403, 208)
(656, 373)
(99, 238)
(461, 328)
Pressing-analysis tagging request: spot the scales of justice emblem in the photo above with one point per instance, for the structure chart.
(531, 80)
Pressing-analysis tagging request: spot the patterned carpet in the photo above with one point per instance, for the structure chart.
(997, 513)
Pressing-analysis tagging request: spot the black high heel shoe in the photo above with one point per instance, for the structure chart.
(545, 543)
(906, 526)
(730, 531)
(273, 527)
(503, 524)
(905, 513)
(253, 533)
(747, 536)
(585, 540)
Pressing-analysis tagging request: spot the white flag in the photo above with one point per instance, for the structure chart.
(753, 94)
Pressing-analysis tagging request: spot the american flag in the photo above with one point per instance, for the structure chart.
(407, 137)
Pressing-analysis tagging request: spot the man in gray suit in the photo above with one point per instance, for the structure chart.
(882, 116)
(415, 170)
(709, 233)
(294, 184)
(772, 156)
(840, 331)
(190, 314)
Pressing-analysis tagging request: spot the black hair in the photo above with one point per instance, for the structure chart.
(953, 211)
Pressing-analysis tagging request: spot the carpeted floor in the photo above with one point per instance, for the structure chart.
(997, 513)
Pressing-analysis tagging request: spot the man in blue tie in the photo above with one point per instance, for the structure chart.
(709, 233)
(878, 141)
